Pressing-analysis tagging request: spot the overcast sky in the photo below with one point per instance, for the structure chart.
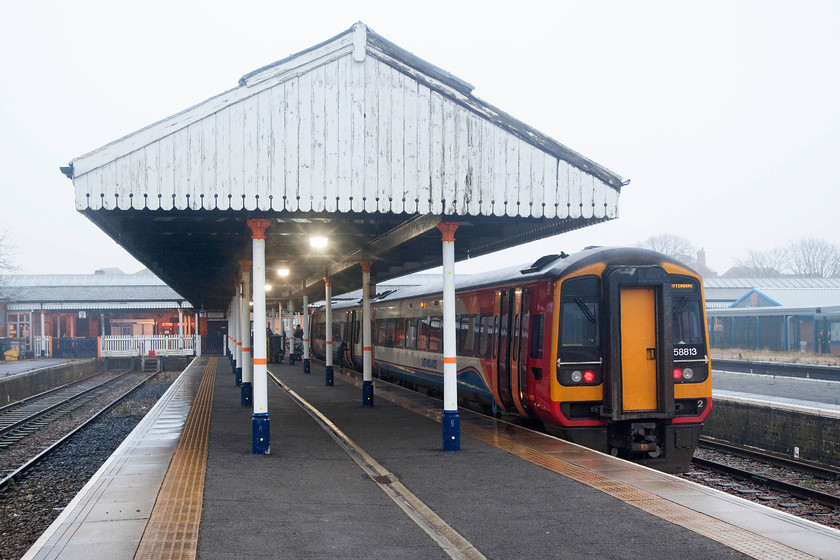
(725, 115)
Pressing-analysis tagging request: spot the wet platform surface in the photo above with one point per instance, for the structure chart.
(816, 393)
(16, 367)
(347, 481)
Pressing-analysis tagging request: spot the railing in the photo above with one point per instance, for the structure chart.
(124, 346)
(43, 346)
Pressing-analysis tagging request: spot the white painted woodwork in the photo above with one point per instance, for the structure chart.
(343, 126)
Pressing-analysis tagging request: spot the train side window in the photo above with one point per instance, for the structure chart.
(423, 333)
(466, 334)
(390, 330)
(515, 337)
(410, 333)
(579, 317)
(493, 347)
(435, 335)
(483, 328)
(399, 333)
(379, 335)
(537, 331)
(336, 331)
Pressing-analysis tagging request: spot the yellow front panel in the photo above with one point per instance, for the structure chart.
(638, 349)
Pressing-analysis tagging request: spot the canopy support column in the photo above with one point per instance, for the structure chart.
(247, 389)
(305, 324)
(367, 346)
(451, 421)
(180, 328)
(260, 428)
(328, 345)
(237, 335)
(291, 333)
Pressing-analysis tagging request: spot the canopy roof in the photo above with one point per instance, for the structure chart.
(354, 139)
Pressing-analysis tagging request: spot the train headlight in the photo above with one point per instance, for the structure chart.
(577, 376)
(688, 373)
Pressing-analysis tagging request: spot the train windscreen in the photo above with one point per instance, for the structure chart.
(579, 317)
(687, 320)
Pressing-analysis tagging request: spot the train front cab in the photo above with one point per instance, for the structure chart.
(632, 369)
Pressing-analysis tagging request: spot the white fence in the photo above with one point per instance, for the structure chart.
(122, 346)
(42, 346)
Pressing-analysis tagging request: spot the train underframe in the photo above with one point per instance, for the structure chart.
(665, 447)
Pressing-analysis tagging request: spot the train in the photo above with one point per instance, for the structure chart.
(606, 348)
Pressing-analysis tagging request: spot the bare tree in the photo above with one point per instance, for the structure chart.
(6, 267)
(674, 246)
(763, 264)
(814, 257)
(6, 252)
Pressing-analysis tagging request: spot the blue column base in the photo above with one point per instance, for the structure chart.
(451, 430)
(247, 393)
(329, 376)
(238, 373)
(306, 366)
(367, 393)
(260, 435)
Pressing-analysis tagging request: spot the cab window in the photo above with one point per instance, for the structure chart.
(580, 320)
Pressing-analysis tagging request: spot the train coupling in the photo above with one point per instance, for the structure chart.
(638, 437)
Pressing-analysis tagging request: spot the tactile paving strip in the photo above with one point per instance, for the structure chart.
(476, 426)
(172, 530)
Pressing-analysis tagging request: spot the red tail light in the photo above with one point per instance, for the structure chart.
(589, 377)
(677, 374)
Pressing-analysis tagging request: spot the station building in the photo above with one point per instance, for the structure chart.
(67, 315)
(777, 314)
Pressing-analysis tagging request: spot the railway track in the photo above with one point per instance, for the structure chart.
(805, 490)
(26, 417)
(46, 415)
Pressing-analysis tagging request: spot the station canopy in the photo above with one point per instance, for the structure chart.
(354, 140)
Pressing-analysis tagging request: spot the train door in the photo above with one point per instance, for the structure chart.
(354, 342)
(638, 348)
(502, 348)
(519, 350)
(639, 379)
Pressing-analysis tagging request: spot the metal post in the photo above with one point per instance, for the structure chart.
(451, 421)
(44, 335)
(291, 333)
(260, 429)
(305, 325)
(247, 389)
(328, 345)
(180, 328)
(236, 346)
(367, 345)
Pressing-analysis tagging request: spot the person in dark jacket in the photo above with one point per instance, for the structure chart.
(338, 357)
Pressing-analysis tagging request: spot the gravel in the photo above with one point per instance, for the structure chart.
(30, 505)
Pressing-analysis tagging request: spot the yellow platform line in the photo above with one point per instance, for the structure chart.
(742, 540)
(172, 530)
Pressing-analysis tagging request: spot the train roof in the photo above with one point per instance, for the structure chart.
(546, 267)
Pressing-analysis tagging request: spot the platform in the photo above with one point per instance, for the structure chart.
(795, 391)
(347, 481)
(16, 367)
